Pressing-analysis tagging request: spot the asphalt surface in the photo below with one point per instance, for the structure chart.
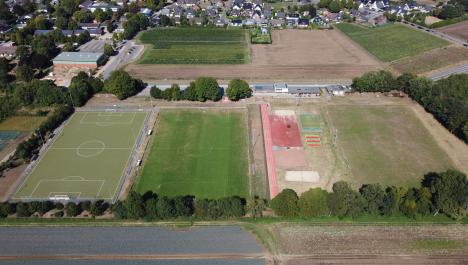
(31, 241)
(210, 245)
(450, 71)
(124, 56)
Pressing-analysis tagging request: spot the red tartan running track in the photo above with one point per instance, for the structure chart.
(285, 131)
(270, 159)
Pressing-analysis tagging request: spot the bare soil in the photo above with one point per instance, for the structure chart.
(295, 55)
(458, 30)
(258, 179)
(369, 244)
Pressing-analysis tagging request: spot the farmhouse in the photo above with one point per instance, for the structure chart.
(79, 60)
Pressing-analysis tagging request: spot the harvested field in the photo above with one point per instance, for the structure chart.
(458, 30)
(371, 244)
(294, 55)
(432, 60)
(391, 41)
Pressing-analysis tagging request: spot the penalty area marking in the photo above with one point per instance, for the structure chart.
(67, 180)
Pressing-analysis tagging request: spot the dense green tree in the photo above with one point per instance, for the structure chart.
(151, 209)
(285, 203)
(119, 210)
(344, 201)
(375, 81)
(334, 6)
(135, 205)
(98, 207)
(155, 92)
(165, 208)
(207, 88)
(122, 85)
(313, 203)
(24, 73)
(108, 50)
(183, 206)
(173, 93)
(392, 200)
(238, 89)
(373, 196)
(255, 207)
(449, 192)
(72, 209)
(23, 210)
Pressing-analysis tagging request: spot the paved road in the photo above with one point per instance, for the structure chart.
(437, 34)
(121, 58)
(128, 245)
(450, 71)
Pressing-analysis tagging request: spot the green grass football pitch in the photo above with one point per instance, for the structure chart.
(392, 41)
(87, 159)
(198, 153)
(194, 46)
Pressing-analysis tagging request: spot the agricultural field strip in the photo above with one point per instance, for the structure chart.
(76, 148)
(392, 42)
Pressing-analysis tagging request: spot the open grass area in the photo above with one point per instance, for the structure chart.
(197, 153)
(87, 159)
(392, 41)
(22, 123)
(194, 46)
(385, 144)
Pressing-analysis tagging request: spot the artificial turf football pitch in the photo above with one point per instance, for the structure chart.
(87, 159)
(200, 153)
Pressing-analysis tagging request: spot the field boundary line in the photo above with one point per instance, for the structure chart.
(270, 159)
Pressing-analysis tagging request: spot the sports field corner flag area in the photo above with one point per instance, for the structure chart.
(88, 159)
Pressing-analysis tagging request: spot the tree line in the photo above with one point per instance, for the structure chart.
(439, 193)
(203, 89)
(445, 193)
(446, 99)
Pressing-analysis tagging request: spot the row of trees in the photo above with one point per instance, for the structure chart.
(152, 207)
(39, 208)
(445, 192)
(202, 89)
(446, 99)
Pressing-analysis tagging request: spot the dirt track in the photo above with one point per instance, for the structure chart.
(297, 55)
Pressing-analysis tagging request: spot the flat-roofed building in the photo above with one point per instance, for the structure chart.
(89, 60)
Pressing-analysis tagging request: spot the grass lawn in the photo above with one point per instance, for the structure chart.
(386, 144)
(197, 153)
(194, 46)
(22, 123)
(392, 41)
(87, 159)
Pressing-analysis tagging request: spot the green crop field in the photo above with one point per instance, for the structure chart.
(197, 153)
(194, 46)
(87, 159)
(392, 41)
(385, 144)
